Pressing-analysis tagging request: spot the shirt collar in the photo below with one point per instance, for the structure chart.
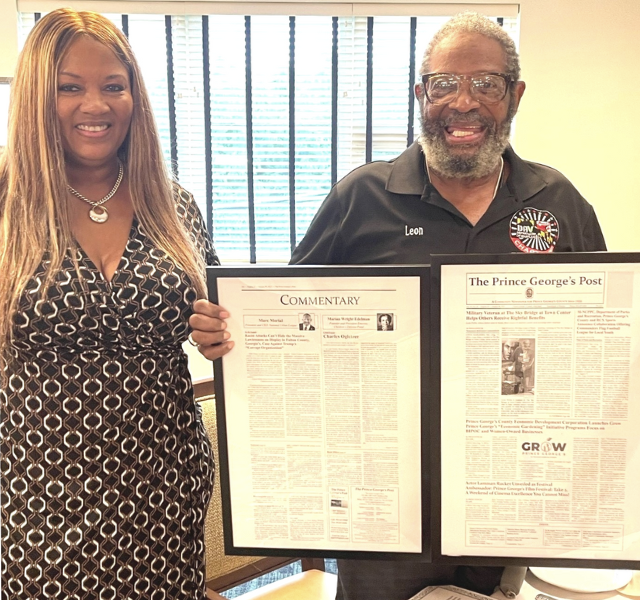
(523, 181)
(408, 174)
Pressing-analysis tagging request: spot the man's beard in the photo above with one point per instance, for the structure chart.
(483, 162)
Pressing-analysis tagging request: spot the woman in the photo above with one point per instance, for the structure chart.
(106, 468)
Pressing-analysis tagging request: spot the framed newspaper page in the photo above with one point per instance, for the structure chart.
(536, 361)
(321, 410)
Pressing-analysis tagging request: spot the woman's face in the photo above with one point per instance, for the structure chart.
(94, 103)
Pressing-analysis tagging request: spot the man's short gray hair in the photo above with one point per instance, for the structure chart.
(470, 22)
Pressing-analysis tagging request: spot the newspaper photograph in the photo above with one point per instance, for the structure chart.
(322, 412)
(540, 401)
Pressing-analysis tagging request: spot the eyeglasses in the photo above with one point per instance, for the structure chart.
(486, 88)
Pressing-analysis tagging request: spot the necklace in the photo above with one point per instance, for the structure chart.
(99, 213)
(495, 191)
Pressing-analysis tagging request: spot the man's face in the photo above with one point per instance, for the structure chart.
(306, 319)
(384, 320)
(465, 138)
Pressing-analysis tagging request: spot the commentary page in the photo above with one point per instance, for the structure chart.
(322, 402)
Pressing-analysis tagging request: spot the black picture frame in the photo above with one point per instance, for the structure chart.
(420, 271)
(437, 300)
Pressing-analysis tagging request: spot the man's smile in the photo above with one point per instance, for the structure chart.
(464, 134)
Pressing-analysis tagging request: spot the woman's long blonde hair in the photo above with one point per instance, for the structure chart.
(34, 219)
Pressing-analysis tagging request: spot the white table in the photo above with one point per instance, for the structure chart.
(533, 586)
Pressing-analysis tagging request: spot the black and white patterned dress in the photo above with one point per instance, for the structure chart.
(106, 467)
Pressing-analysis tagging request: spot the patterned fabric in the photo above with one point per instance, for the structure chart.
(106, 467)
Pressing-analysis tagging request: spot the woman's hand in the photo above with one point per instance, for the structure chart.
(209, 329)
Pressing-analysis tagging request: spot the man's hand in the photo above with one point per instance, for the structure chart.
(208, 329)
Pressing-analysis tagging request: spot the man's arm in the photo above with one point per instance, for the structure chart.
(592, 236)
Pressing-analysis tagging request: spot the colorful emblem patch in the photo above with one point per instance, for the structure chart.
(534, 231)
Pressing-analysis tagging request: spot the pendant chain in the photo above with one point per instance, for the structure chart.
(100, 215)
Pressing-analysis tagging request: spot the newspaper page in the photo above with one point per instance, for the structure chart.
(447, 592)
(322, 402)
(541, 410)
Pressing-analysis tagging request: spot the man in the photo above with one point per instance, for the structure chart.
(385, 322)
(306, 325)
(460, 189)
(516, 356)
(528, 361)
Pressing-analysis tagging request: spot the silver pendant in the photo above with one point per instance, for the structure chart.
(98, 214)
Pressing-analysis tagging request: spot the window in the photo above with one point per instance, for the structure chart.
(260, 115)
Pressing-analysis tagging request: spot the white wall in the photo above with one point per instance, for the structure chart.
(8, 37)
(569, 49)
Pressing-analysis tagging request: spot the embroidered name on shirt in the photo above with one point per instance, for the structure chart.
(413, 230)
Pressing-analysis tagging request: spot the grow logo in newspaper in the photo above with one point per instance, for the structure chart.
(534, 231)
(548, 447)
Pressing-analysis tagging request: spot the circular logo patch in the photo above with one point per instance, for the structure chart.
(534, 231)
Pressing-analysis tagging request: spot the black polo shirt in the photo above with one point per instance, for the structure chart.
(389, 213)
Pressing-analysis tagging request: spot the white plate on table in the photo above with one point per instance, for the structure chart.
(584, 580)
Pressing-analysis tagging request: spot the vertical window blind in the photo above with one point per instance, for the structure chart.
(260, 115)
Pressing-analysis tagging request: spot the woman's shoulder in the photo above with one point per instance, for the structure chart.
(186, 204)
(182, 196)
(191, 217)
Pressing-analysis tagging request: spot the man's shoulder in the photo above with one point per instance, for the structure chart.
(372, 172)
(538, 180)
(547, 172)
(380, 174)
(532, 170)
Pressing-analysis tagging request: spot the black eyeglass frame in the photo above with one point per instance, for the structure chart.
(508, 79)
